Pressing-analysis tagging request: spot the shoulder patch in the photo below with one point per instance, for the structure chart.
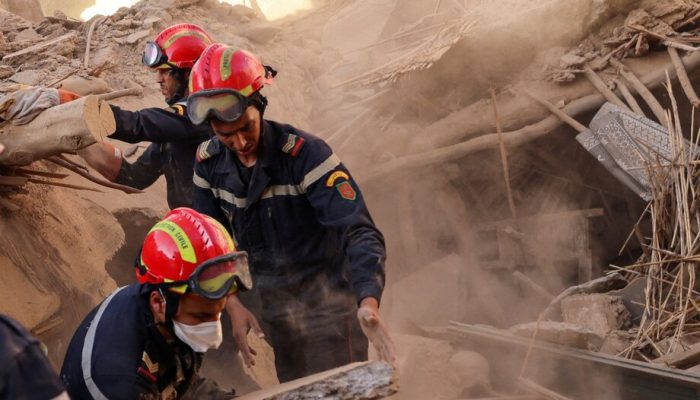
(293, 144)
(206, 150)
(178, 109)
(330, 182)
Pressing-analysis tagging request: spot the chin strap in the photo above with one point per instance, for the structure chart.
(259, 101)
(179, 75)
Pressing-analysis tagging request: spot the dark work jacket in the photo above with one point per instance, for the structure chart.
(311, 240)
(25, 372)
(125, 355)
(174, 140)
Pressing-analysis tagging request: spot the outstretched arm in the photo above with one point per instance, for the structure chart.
(156, 125)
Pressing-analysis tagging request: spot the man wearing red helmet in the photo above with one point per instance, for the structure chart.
(293, 206)
(174, 138)
(146, 340)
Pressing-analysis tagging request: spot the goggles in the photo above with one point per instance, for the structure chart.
(153, 56)
(226, 105)
(217, 277)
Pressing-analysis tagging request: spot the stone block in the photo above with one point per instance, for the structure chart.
(600, 313)
(560, 333)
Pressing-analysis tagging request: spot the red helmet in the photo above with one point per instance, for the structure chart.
(221, 81)
(189, 250)
(178, 46)
(225, 67)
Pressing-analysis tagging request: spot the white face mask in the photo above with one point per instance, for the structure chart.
(201, 337)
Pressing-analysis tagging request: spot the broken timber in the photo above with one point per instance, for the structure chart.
(64, 128)
(682, 358)
(578, 368)
(522, 135)
(40, 46)
(362, 380)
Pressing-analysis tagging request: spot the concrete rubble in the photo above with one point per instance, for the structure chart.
(600, 313)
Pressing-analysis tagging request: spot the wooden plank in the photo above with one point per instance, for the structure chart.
(46, 174)
(40, 46)
(13, 180)
(637, 379)
(361, 381)
(61, 129)
(681, 359)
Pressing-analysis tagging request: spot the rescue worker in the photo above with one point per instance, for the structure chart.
(315, 252)
(25, 372)
(146, 340)
(174, 138)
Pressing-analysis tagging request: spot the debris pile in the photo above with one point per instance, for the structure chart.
(652, 23)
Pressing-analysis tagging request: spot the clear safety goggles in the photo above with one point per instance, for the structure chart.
(218, 277)
(153, 56)
(226, 105)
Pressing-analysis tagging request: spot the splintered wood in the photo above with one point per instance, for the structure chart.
(64, 128)
(357, 381)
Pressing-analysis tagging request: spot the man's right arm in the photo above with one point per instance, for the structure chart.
(155, 125)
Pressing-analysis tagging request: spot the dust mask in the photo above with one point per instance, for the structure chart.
(200, 337)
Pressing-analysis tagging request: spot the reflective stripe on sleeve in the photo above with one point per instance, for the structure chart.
(227, 196)
(282, 190)
(86, 360)
(200, 182)
(315, 174)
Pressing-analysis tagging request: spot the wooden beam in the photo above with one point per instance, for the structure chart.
(633, 375)
(133, 91)
(13, 180)
(61, 129)
(603, 88)
(40, 46)
(361, 381)
(683, 77)
(25, 171)
(525, 134)
(681, 359)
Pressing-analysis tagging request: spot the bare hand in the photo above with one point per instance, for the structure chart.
(242, 321)
(375, 330)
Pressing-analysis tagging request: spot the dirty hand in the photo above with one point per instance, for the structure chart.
(376, 331)
(242, 321)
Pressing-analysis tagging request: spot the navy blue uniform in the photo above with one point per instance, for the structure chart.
(314, 249)
(25, 372)
(118, 353)
(172, 151)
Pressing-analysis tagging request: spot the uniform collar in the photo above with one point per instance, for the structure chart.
(270, 151)
(261, 178)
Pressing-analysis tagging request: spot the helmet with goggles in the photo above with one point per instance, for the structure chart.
(191, 252)
(224, 82)
(178, 46)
